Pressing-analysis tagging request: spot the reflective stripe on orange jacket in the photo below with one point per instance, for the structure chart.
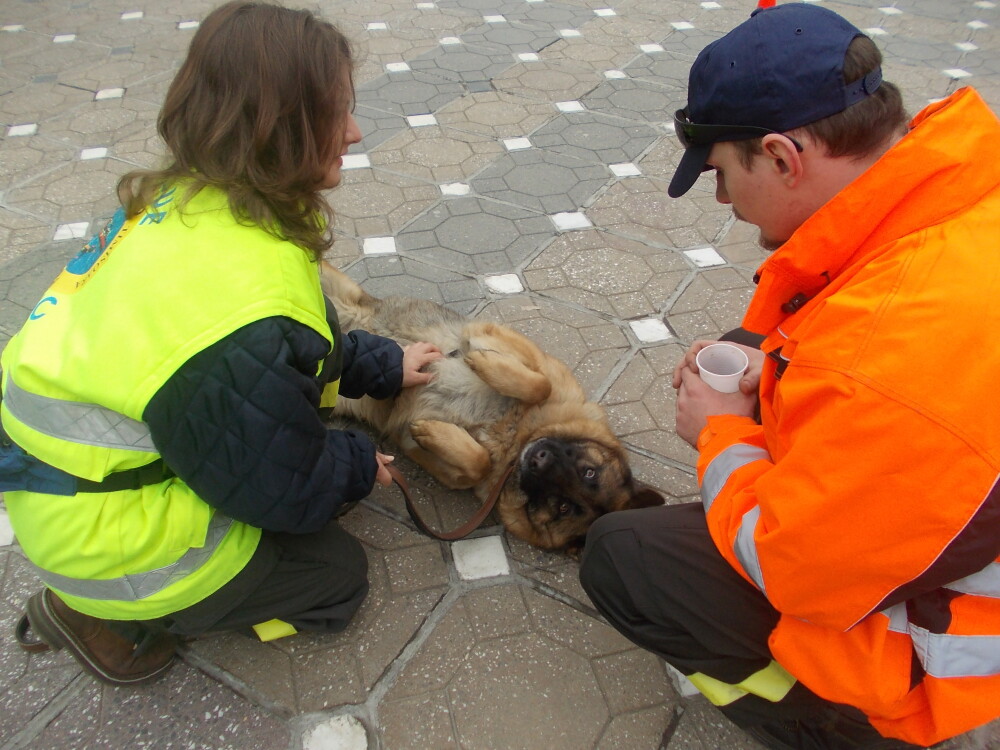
(867, 505)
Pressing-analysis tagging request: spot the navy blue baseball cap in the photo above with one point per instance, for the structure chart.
(779, 70)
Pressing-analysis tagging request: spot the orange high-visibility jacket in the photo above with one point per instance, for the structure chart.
(866, 506)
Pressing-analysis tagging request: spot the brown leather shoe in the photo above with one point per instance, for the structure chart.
(96, 644)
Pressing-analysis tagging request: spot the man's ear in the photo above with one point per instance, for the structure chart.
(784, 157)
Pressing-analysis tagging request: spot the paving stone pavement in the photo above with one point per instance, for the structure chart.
(514, 167)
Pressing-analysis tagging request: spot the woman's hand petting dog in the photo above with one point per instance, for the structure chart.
(415, 358)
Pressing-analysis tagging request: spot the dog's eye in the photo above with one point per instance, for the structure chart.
(589, 473)
(565, 507)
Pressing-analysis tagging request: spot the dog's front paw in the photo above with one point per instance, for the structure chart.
(420, 430)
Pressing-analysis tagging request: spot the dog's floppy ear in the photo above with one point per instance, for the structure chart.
(642, 496)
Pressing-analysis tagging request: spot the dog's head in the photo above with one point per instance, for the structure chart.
(564, 481)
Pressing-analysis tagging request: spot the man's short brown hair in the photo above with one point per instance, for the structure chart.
(862, 128)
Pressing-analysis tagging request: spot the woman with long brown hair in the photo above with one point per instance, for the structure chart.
(177, 369)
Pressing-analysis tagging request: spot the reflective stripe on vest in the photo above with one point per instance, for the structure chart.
(95, 425)
(746, 550)
(77, 422)
(136, 586)
(718, 471)
(714, 479)
(946, 654)
(984, 583)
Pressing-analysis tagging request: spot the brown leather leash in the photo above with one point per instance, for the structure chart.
(465, 529)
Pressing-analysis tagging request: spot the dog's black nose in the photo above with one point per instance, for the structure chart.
(540, 459)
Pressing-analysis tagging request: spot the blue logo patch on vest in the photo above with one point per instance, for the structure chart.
(87, 257)
(86, 263)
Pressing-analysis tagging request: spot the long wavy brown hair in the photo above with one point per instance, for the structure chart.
(256, 110)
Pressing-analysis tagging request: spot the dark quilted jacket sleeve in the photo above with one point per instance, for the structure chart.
(238, 422)
(373, 366)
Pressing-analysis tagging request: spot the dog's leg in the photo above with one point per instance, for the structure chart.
(506, 361)
(449, 453)
(509, 376)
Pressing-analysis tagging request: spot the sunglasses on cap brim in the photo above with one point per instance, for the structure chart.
(694, 134)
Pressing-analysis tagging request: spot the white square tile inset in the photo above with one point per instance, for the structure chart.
(650, 330)
(977, 24)
(379, 245)
(450, 40)
(6, 530)
(29, 129)
(569, 106)
(397, 67)
(891, 11)
(376, 26)
(570, 220)
(109, 94)
(13, 27)
(419, 121)
(63, 38)
(494, 19)
(516, 144)
(682, 25)
(956, 73)
(611, 74)
(710, 6)
(355, 161)
(184, 25)
(626, 169)
(426, 6)
(605, 12)
(567, 33)
(455, 188)
(93, 153)
(705, 256)
(74, 231)
(504, 283)
(648, 48)
(966, 46)
(876, 31)
(480, 558)
(528, 57)
(132, 15)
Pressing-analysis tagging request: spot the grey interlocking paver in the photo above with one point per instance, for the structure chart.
(440, 155)
(519, 658)
(553, 81)
(512, 37)
(496, 114)
(542, 180)
(475, 235)
(596, 137)
(410, 92)
(636, 99)
(596, 50)
(462, 62)
(376, 203)
(377, 125)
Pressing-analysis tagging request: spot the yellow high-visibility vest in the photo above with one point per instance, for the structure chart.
(142, 298)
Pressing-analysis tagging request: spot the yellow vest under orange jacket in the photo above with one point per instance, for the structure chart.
(866, 505)
(142, 299)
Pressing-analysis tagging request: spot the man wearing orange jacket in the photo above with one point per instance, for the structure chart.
(839, 584)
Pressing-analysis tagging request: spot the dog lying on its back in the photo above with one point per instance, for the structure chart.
(496, 400)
